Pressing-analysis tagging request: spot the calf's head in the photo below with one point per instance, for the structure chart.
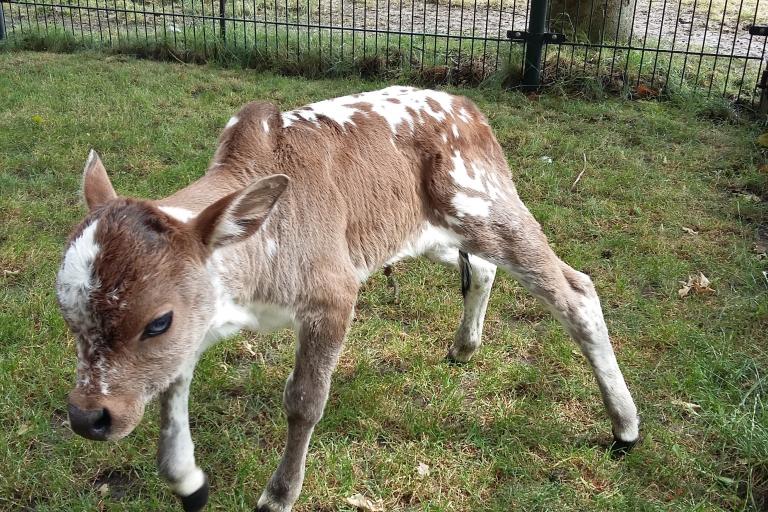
(137, 292)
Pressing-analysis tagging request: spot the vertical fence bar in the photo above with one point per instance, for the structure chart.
(534, 44)
(2, 22)
(222, 22)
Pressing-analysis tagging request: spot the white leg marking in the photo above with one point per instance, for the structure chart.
(581, 315)
(469, 334)
(176, 452)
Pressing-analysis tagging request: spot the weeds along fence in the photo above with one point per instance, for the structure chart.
(640, 47)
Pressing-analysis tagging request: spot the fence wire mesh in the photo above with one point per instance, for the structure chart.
(645, 46)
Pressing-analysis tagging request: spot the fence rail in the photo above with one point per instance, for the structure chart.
(643, 47)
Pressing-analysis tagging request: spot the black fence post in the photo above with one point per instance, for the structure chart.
(222, 23)
(537, 27)
(2, 22)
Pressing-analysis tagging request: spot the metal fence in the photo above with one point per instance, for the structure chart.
(642, 47)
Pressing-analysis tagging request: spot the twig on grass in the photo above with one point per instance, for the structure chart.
(573, 187)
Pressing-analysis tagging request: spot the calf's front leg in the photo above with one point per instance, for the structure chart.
(176, 452)
(318, 347)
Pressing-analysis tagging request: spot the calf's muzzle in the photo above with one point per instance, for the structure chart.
(92, 423)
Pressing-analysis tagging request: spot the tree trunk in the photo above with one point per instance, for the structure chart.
(592, 20)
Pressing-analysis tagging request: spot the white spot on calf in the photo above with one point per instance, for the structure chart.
(462, 178)
(468, 205)
(337, 110)
(455, 130)
(232, 122)
(181, 214)
(265, 125)
(271, 247)
(230, 316)
(409, 101)
(427, 239)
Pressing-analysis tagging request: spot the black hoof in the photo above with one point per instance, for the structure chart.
(197, 500)
(620, 448)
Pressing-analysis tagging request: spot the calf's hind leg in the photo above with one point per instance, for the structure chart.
(514, 241)
(477, 277)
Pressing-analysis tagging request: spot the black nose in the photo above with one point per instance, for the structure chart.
(92, 424)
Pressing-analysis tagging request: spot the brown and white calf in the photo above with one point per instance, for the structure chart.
(295, 212)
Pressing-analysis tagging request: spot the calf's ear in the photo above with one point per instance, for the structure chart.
(239, 215)
(97, 189)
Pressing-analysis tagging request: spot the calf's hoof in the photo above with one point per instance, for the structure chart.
(269, 503)
(621, 448)
(457, 356)
(197, 500)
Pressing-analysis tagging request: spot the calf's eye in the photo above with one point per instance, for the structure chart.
(158, 326)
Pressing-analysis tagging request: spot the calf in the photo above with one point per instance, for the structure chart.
(295, 211)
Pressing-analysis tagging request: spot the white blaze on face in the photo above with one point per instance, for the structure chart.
(74, 284)
(75, 280)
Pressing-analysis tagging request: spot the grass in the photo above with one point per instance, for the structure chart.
(519, 428)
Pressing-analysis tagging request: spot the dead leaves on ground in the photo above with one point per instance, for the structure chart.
(688, 408)
(366, 504)
(698, 284)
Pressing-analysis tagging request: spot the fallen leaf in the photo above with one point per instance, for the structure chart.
(748, 196)
(422, 469)
(23, 429)
(363, 503)
(761, 250)
(689, 407)
(690, 231)
(104, 490)
(546, 159)
(247, 346)
(725, 480)
(37, 119)
(698, 283)
(644, 91)
(763, 140)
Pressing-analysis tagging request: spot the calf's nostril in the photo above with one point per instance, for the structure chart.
(103, 422)
(91, 424)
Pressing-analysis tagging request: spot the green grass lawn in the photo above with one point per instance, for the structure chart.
(521, 427)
